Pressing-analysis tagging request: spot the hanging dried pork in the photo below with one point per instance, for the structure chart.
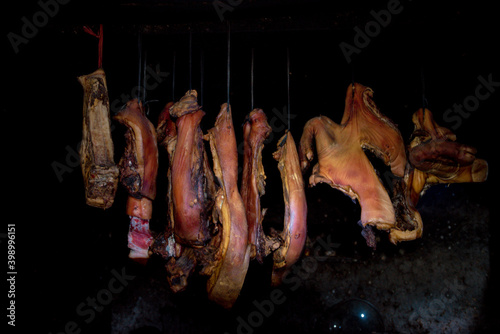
(294, 232)
(100, 173)
(255, 132)
(343, 164)
(138, 170)
(233, 254)
(191, 190)
(192, 183)
(434, 157)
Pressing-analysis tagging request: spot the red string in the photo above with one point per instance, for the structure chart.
(100, 37)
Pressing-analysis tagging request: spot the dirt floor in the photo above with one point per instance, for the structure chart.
(433, 285)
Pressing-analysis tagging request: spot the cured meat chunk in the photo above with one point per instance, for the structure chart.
(139, 163)
(342, 162)
(255, 132)
(139, 238)
(138, 170)
(434, 157)
(233, 255)
(166, 133)
(434, 151)
(294, 232)
(190, 196)
(100, 173)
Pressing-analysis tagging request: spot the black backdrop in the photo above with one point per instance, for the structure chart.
(66, 249)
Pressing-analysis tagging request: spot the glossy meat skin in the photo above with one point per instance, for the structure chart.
(341, 161)
(139, 163)
(189, 194)
(233, 254)
(294, 232)
(138, 171)
(190, 216)
(183, 256)
(255, 132)
(166, 133)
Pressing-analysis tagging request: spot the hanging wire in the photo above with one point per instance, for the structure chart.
(352, 77)
(422, 79)
(202, 69)
(228, 61)
(139, 74)
(251, 81)
(144, 81)
(173, 77)
(190, 59)
(288, 84)
(144, 76)
(353, 82)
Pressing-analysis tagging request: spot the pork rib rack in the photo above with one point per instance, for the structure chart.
(100, 173)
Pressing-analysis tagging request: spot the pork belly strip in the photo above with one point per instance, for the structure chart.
(100, 174)
(139, 163)
(233, 254)
(255, 132)
(138, 170)
(166, 133)
(182, 260)
(189, 195)
(294, 231)
(341, 161)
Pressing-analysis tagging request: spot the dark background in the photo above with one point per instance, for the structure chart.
(67, 249)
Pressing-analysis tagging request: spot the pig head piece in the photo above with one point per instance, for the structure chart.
(434, 157)
(342, 162)
(434, 150)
